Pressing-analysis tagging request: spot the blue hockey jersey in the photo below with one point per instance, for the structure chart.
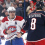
(36, 26)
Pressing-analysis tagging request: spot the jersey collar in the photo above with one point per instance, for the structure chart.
(11, 19)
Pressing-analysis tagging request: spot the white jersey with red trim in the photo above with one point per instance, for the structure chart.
(15, 25)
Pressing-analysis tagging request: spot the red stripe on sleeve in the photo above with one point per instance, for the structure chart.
(23, 31)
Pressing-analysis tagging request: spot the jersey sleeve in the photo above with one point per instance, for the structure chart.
(3, 26)
(21, 23)
(1, 33)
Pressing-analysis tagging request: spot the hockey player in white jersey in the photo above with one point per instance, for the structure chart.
(12, 27)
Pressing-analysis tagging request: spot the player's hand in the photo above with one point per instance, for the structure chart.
(19, 35)
(8, 31)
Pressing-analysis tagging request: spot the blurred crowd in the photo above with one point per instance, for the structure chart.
(4, 4)
(30, 5)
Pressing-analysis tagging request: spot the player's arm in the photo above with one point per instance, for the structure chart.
(20, 23)
(25, 27)
(3, 26)
(1, 34)
(21, 26)
(5, 31)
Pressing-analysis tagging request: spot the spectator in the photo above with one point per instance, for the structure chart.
(30, 8)
(6, 13)
(4, 8)
(0, 7)
(17, 1)
(12, 4)
(8, 3)
(34, 2)
(20, 3)
(0, 2)
(15, 5)
(21, 8)
(10, 0)
(37, 1)
(26, 3)
(18, 10)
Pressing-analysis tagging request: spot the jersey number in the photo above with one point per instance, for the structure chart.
(33, 23)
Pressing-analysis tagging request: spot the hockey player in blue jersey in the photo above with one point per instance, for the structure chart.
(36, 27)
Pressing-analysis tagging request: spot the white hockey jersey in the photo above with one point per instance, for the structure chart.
(15, 25)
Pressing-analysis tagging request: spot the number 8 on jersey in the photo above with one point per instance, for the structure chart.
(33, 23)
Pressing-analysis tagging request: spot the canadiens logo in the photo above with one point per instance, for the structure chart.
(12, 28)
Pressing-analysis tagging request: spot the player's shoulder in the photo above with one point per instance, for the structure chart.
(4, 19)
(19, 18)
(41, 12)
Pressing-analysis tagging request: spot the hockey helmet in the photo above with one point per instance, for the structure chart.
(11, 9)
